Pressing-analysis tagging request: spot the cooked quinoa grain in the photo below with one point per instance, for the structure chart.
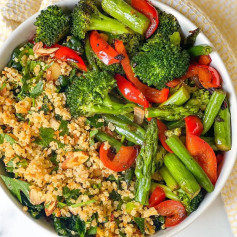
(66, 163)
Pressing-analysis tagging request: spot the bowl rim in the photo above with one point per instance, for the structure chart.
(209, 198)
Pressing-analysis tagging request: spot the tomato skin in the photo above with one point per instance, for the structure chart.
(204, 155)
(162, 128)
(194, 125)
(174, 211)
(157, 196)
(123, 160)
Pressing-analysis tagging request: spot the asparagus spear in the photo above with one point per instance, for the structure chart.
(171, 112)
(182, 175)
(180, 150)
(133, 132)
(212, 109)
(145, 163)
(103, 137)
(199, 50)
(222, 129)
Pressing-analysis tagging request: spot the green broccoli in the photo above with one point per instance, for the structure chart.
(86, 17)
(51, 25)
(190, 205)
(89, 95)
(160, 61)
(168, 24)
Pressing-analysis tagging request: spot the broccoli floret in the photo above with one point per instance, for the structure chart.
(51, 25)
(160, 61)
(89, 95)
(131, 42)
(86, 17)
(190, 205)
(168, 24)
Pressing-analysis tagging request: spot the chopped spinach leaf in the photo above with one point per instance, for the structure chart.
(37, 90)
(7, 138)
(93, 121)
(114, 196)
(16, 186)
(140, 223)
(46, 136)
(92, 231)
(158, 221)
(63, 128)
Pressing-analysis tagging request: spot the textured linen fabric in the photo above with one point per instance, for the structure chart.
(216, 18)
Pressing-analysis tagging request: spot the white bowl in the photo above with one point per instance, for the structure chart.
(26, 30)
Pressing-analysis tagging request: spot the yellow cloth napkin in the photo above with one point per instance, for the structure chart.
(222, 12)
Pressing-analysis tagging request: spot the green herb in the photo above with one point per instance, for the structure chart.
(46, 136)
(70, 194)
(140, 223)
(63, 128)
(3, 86)
(7, 138)
(16, 186)
(92, 231)
(61, 205)
(114, 196)
(83, 203)
(122, 234)
(10, 166)
(37, 90)
(20, 117)
(53, 159)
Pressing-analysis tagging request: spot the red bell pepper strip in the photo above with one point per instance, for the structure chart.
(103, 50)
(151, 94)
(150, 12)
(130, 92)
(174, 211)
(161, 134)
(174, 83)
(204, 60)
(66, 54)
(194, 125)
(199, 149)
(123, 160)
(157, 196)
(204, 155)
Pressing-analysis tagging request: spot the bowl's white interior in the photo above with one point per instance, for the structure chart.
(26, 30)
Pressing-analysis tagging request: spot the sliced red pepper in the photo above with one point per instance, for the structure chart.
(174, 211)
(174, 82)
(130, 92)
(103, 50)
(204, 155)
(150, 12)
(194, 125)
(66, 54)
(151, 94)
(208, 76)
(123, 160)
(162, 128)
(204, 60)
(157, 196)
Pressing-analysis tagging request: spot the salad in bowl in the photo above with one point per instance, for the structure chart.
(113, 123)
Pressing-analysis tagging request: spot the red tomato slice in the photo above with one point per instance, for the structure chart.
(162, 128)
(157, 196)
(174, 211)
(123, 160)
(204, 155)
(194, 125)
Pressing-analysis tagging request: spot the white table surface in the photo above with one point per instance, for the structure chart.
(212, 223)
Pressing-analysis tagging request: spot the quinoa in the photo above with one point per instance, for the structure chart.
(77, 165)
